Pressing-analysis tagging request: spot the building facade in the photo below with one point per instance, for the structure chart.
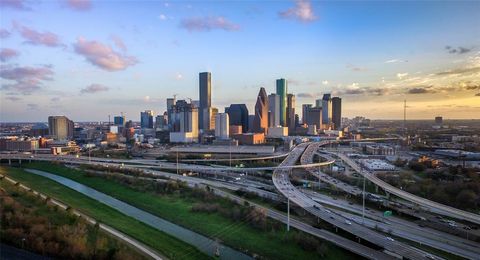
(273, 110)
(222, 126)
(238, 115)
(337, 113)
(146, 119)
(60, 127)
(260, 121)
(205, 94)
(282, 89)
(291, 113)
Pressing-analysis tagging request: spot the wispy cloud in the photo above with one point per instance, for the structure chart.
(14, 4)
(38, 38)
(302, 11)
(458, 50)
(477, 95)
(94, 88)
(33, 106)
(305, 95)
(4, 33)
(209, 23)
(355, 68)
(79, 5)
(395, 61)
(26, 79)
(402, 75)
(119, 43)
(13, 98)
(7, 54)
(103, 56)
(421, 90)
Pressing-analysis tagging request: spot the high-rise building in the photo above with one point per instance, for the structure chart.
(274, 110)
(146, 119)
(438, 120)
(161, 121)
(305, 107)
(238, 115)
(318, 102)
(209, 118)
(185, 123)
(337, 113)
(222, 126)
(260, 121)
(326, 109)
(314, 117)
(170, 107)
(119, 120)
(60, 127)
(291, 113)
(282, 88)
(205, 84)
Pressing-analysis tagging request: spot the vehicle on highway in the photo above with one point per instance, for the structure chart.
(390, 239)
(348, 222)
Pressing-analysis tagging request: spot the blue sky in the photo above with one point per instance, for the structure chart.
(88, 60)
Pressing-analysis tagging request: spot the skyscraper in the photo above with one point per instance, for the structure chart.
(185, 123)
(260, 121)
(314, 117)
(326, 110)
(282, 92)
(146, 119)
(337, 113)
(222, 126)
(119, 120)
(170, 107)
(274, 110)
(291, 113)
(60, 127)
(305, 108)
(205, 84)
(238, 115)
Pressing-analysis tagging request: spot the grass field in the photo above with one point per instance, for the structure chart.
(177, 209)
(163, 243)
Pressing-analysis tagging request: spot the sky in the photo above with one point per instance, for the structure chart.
(90, 59)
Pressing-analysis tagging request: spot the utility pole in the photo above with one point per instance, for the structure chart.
(288, 214)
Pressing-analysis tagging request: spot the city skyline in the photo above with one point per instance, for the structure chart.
(367, 53)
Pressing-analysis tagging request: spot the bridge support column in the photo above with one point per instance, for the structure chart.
(20, 161)
(376, 188)
(9, 161)
(388, 195)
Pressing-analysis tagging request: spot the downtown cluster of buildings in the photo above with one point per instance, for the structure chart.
(274, 115)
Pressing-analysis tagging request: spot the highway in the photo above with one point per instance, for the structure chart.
(427, 204)
(282, 183)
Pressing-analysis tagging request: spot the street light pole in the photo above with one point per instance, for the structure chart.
(288, 214)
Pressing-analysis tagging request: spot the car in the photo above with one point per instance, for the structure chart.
(429, 256)
(348, 222)
(390, 239)
(467, 228)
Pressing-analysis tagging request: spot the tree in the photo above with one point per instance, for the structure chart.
(466, 199)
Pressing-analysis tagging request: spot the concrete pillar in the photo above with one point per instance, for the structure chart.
(9, 161)
(388, 195)
(376, 188)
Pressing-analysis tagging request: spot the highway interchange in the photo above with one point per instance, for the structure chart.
(340, 213)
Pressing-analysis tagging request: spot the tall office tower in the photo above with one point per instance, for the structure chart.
(438, 120)
(170, 108)
(282, 88)
(238, 115)
(161, 121)
(146, 119)
(222, 126)
(326, 109)
(314, 117)
(305, 107)
(260, 121)
(274, 110)
(291, 113)
(337, 113)
(318, 102)
(119, 120)
(185, 123)
(205, 83)
(60, 127)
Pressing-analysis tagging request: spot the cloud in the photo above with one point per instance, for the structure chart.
(55, 99)
(402, 75)
(356, 68)
(38, 38)
(395, 61)
(459, 50)
(421, 90)
(471, 70)
(205, 24)
(14, 4)
(26, 79)
(325, 82)
(102, 55)
(477, 95)
(33, 106)
(163, 17)
(305, 95)
(13, 98)
(119, 43)
(302, 11)
(94, 88)
(6, 54)
(179, 76)
(4, 33)
(79, 5)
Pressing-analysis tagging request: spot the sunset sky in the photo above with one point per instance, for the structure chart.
(88, 60)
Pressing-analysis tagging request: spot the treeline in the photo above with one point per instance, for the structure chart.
(28, 222)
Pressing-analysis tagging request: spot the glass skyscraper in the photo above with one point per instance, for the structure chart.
(282, 92)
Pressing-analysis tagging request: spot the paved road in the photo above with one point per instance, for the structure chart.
(428, 204)
(282, 182)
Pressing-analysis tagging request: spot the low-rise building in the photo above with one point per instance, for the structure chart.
(277, 132)
(250, 138)
(376, 165)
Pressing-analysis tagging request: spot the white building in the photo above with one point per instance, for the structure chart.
(222, 122)
(376, 165)
(185, 123)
